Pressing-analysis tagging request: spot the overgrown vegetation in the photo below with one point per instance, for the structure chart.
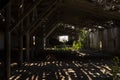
(81, 43)
(77, 45)
(115, 68)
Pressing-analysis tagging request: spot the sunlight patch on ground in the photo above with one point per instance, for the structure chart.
(86, 74)
(63, 70)
(14, 64)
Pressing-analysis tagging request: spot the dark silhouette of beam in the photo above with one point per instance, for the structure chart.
(7, 44)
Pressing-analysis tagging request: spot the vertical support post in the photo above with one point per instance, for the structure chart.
(27, 40)
(8, 54)
(21, 47)
(105, 39)
(40, 39)
(31, 46)
(91, 40)
(21, 35)
(43, 35)
(108, 40)
(7, 44)
(27, 46)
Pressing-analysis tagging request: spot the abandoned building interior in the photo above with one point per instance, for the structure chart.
(59, 39)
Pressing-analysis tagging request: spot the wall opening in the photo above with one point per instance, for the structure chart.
(63, 38)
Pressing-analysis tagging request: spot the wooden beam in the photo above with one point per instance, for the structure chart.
(53, 29)
(39, 21)
(26, 14)
(21, 35)
(7, 44)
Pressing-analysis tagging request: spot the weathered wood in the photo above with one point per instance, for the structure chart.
(39, 21)
(28, 46)
(8, 54)
(25, 15)
(21, 35)
(21, 49)
(7, 44)
(47, 35)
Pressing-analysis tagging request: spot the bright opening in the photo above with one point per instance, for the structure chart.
(63, 38)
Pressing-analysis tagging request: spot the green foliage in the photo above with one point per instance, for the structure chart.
(76, 45)
(115, 68)
(81, 43)
(83, 38)
(64, 47)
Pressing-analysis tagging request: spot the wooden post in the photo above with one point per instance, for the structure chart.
(43, 40)
(21, 48)
(7, 44)
(8, 54)
(32, 46)
(21, 34)
(27, 45)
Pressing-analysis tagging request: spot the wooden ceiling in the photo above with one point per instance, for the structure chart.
(75, 12)
(80, 11)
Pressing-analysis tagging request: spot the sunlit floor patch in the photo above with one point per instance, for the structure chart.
(59, 70)
(13, 64)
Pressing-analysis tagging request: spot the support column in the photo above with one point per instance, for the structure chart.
(28, 39)
(98, 39)
(21, 34)
(91, 39)
(7, 44)
(21, 48)
(27, 46)
(43, 36)
(110, 40)
(32, 46)
(105, 39)
(8, 54)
